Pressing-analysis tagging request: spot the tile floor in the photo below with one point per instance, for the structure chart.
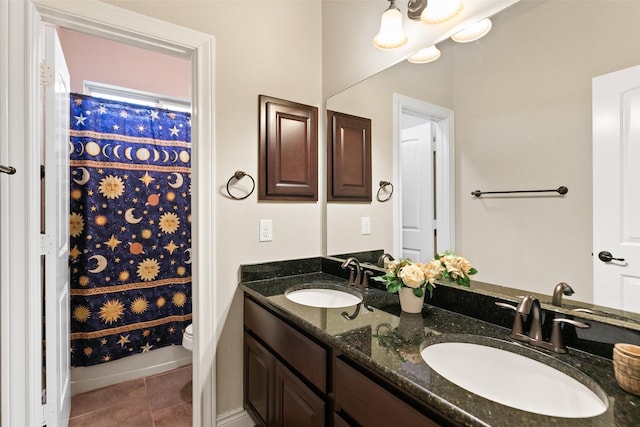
(155, 401)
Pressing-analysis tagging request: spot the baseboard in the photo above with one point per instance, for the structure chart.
(164, 359)
(237, 418)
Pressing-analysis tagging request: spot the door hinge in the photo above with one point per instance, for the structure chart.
(434, 224)
(48, 414)
(46, 74)
(434, 144)
(46, 244)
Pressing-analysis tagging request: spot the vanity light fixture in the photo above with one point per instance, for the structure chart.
(428, 54)
(390, 35)
(473, 32)
(439, 11)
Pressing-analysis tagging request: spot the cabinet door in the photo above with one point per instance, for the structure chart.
(288, 168)
(296, 404)
(259, 380)
(348, 158)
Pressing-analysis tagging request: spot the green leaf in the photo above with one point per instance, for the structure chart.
(418, 292)
(394, 286)
(472, 271)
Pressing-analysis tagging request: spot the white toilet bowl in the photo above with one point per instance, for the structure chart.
(187, 338)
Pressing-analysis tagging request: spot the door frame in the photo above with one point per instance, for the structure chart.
(20, 295)
(445, 168)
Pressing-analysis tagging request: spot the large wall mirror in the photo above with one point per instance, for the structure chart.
(522, 100)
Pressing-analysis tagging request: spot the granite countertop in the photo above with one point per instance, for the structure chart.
(388, 342)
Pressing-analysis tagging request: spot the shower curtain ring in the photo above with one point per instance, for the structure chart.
(238, 175)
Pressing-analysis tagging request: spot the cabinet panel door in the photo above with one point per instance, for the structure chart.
(348, 158)
(259, 377)
(288, 150)
(296, 404)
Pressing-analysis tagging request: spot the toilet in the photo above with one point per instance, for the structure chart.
(187, 337)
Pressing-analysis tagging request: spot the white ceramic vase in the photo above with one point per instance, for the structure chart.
(410, 303)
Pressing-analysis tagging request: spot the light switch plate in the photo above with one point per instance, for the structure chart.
(266, 230)
(366, 225)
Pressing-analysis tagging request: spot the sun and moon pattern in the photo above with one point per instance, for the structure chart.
(130, 227)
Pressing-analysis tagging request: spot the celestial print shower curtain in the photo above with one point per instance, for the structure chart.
(130, 226)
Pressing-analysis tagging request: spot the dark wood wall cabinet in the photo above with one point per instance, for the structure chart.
(288, 154)
(293, 380)
(348, 158)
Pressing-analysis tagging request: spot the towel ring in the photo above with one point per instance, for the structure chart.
(238, 175)
(384, 185)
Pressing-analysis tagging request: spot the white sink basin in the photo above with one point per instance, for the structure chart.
(513, 380)
(323, 297)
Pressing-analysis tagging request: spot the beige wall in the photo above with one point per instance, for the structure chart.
(522, 103)
(271, 48)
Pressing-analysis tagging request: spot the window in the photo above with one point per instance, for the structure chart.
(118, 93)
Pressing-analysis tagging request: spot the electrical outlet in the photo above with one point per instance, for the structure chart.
(266, 230)
(366, 225)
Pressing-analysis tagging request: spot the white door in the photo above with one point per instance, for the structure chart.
(55, 247)
(417, 189)
(616, 189)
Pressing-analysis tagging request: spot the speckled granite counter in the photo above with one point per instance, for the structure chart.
(387, 341)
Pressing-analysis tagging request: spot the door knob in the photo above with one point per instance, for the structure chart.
(606, 256)
(9, 170)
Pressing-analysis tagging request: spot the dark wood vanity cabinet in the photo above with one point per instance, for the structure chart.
(285, 372)
(292, 380)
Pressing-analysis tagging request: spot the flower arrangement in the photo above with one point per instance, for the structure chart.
(419, 276)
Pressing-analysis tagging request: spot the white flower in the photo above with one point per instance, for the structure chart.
(432, 270)
(457, 266)
(412, 275)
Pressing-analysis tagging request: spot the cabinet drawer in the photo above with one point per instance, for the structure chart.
(369, 404)
(300, 352)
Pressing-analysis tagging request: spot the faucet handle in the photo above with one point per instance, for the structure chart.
(505, 305)
(365, 279)
(556, 333)
(517, 328)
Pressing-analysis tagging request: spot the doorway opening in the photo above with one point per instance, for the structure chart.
(424, 214)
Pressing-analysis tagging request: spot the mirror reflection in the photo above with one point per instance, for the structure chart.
(522, 103)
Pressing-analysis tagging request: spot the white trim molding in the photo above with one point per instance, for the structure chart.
(20, 295)
(445, 163)
(237, 418)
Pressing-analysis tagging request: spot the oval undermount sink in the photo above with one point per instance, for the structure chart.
(513, 380)
(323, 295)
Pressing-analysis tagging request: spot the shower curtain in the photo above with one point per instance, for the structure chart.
(130, 226)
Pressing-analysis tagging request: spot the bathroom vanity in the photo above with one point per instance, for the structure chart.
(362, 365)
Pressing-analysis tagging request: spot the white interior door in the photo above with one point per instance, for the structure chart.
(616, 189)
(417, 189)
(55, 247)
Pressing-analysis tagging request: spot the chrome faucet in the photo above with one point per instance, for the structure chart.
(353, 264)
(561, 289)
